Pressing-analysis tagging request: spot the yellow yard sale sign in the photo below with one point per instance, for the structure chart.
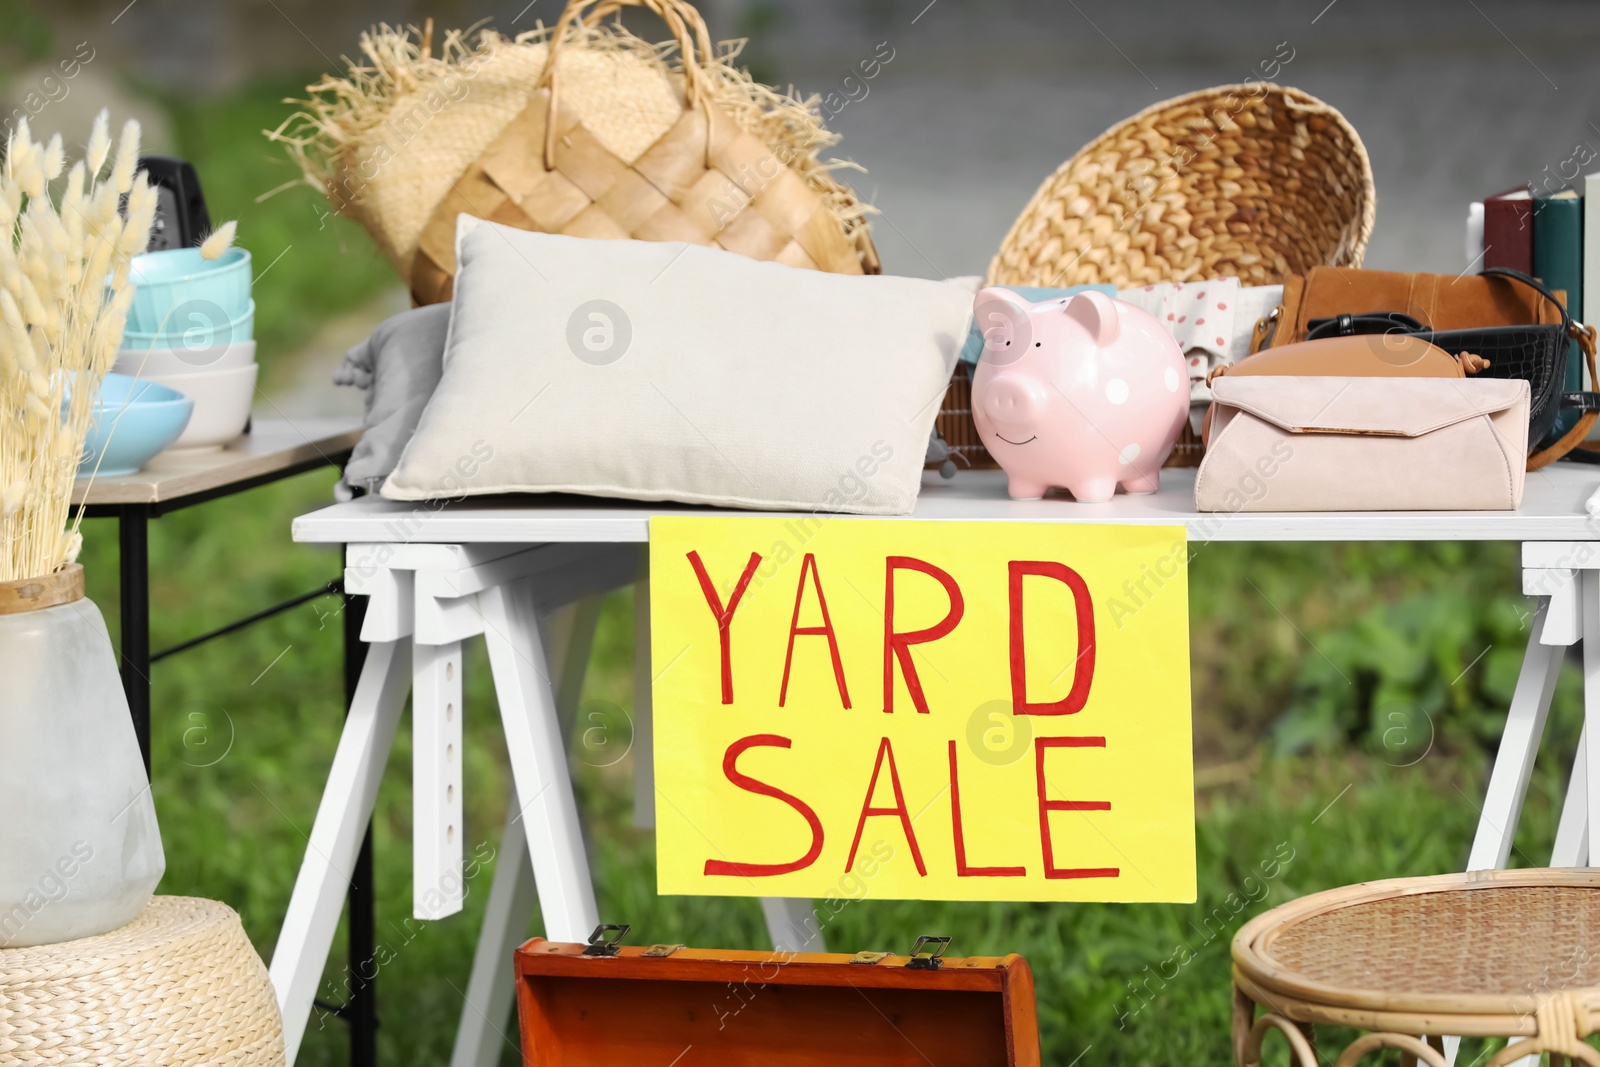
(922, 710)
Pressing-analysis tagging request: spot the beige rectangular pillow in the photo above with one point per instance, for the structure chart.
(665, 371)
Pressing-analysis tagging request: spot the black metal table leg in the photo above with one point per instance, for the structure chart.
(133, 533)
(362, 1009)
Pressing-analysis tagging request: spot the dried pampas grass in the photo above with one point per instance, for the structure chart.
(386, 141)
(220, 240)
(64, 297)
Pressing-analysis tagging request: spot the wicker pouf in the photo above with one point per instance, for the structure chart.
(179, 985)
(1410, 960)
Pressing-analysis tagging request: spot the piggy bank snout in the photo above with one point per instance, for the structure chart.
(1015, 400)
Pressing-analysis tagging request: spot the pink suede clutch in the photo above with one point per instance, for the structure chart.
(1289, 443)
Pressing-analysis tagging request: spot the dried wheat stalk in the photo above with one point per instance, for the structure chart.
(64, 297)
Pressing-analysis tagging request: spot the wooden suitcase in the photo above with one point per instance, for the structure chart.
(601, 1005)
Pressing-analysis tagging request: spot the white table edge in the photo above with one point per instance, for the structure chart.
(1553, 510)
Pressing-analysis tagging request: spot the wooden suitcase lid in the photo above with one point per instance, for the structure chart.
(684, 1007)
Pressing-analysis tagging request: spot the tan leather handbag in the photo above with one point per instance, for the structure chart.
(1368, 356)
(1293, 443)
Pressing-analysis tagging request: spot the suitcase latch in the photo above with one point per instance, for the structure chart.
(868, 957)
(605, 939)
(931, 959)
(660, 952)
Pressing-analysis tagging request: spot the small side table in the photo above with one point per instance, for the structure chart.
(273, 450)
(1512, 954)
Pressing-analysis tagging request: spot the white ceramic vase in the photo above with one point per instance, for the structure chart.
(80, 852)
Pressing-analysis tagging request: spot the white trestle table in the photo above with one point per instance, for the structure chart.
(524, 572)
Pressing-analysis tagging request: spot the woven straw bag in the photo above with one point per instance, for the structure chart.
(1253, 181)
(405, 140)
(705, 181)
(180, 984)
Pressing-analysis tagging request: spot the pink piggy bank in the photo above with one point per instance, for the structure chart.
(1082, 393)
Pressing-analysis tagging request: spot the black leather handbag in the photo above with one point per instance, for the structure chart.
(1537, 353)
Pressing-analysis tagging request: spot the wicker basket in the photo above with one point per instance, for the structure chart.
(178, 985)
(1256, 182)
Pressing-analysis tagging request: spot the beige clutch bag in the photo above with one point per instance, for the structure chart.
(1289, 443)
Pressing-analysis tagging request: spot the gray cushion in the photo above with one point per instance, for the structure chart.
(398, 366)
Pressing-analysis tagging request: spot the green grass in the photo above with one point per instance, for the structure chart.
(1346, 703)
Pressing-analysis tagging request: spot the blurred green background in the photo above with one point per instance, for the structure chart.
(1347, 699)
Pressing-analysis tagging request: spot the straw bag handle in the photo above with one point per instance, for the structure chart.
(687, 27)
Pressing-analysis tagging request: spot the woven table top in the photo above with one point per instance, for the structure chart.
(1506, 940)
(1470, 940)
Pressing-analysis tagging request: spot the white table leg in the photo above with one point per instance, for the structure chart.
(569, 639)
(479, 1038)
(644, 743)
(437, 829)
(1519, 743)
(1590, 607)
(538, 762)
(1572, 833)
(792, 924)
(318, 898)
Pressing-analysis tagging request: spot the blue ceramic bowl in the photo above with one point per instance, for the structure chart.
(132, 421)
(176, 287)
(195, 327)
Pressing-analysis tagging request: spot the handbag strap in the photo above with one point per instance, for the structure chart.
(1369, 322)
(687, 27)
(1532, 283)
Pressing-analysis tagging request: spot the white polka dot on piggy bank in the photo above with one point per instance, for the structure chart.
(1080, 394)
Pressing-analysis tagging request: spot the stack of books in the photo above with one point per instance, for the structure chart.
(1548, 236)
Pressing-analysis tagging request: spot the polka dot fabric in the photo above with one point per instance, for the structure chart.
(1211, 321)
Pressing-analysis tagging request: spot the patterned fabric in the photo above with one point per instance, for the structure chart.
(1200, 316)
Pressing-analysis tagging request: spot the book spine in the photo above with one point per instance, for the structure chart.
(1508, 238)
(1558, 262)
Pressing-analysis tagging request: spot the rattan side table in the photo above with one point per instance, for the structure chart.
(1486, 954)
(180, 984)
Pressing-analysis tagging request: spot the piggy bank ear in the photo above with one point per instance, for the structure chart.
(1001, 316)
(1096, 313)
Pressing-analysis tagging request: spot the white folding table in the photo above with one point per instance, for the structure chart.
(523, 572)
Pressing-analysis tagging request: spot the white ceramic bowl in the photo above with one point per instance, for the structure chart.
(221, 403)
(148, 362)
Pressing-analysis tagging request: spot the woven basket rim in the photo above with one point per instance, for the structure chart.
(1293, 95)
(1254, 961)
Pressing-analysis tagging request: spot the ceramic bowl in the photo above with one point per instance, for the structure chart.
(221, 403)
(195, 326)
(131, 423)
(145, 362)
(176, 283)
